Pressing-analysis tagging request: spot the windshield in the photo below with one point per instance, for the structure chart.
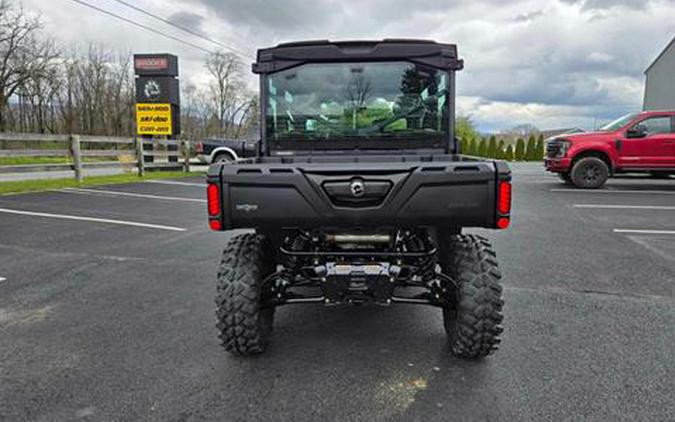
(353, 101)
(619, 123)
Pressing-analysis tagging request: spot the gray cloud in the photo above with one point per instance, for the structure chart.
(608, 4)
(188, 20)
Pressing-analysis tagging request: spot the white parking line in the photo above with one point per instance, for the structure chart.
(659, 192)
(2, 279)
(92, 219)
(171, 182)
(631, 231)
(130, 194)
(625, 207)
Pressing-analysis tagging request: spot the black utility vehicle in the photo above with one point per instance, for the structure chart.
(359, 194)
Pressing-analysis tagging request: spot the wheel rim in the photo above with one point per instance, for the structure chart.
(591, 174)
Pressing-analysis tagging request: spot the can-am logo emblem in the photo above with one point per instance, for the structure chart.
(357, 188)
(151, 89)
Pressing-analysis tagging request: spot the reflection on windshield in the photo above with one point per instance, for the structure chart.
(357, 100)
(619, 123)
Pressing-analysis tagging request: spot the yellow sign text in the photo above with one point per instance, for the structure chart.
(153, 119)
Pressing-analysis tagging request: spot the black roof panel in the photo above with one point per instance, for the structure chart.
(287, 55)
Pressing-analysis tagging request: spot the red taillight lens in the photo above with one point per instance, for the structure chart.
(503, 223)
(215, 225)
(504, 199)
(213, 199)
(199, 148)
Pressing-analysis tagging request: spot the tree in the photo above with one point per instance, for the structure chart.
(471, 147)
(492, 147)
(22, 54)
(530, 151)
(522, 130)
(540, 148)
(481, 150)
(520, 149)
(232, 103)
(500, 150)
(465, 128)
(508, 155)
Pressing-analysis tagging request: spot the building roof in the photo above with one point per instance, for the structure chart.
(660, 55)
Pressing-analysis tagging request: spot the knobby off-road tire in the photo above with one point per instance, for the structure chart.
(589, 173)
(244, 327)
(473, 323)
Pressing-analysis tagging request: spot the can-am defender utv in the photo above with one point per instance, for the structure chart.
(359, 194)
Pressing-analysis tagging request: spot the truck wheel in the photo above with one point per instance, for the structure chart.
(589, 173)
(244, 326)
(565, 177)
(472, 323)
(222, 158)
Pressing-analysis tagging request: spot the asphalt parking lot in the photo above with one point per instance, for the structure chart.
(106, 313)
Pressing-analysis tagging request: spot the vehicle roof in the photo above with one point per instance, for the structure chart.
(287, 55)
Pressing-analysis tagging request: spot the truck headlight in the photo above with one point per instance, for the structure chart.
(564, 147)
(557, 148)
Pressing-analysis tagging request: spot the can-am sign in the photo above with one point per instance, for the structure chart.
(151, 63)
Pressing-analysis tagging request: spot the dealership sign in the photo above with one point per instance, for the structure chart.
(157, 94)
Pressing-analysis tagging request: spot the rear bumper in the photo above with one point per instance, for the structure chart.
(281, 195)
(557, 165)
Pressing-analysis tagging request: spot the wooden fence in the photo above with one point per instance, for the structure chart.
(44, 153)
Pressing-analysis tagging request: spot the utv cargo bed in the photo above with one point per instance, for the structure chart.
(352, 191)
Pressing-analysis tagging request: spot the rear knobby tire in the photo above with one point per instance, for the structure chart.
(589, 173)
(473, 322)
(244, 326)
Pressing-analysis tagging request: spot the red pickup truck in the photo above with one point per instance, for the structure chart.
(640, 142)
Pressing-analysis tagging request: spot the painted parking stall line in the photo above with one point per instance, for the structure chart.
(129, 194)
(91, 219)
(625, 207)
(650, 192)
(639, 231)
(171, 182)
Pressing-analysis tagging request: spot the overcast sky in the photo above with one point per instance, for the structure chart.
(557, 63)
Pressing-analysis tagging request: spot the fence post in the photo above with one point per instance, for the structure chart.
(77, 156)
(139, 155)
(186, 156)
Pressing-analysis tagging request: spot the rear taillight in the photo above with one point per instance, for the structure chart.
(504, 198)
(199, 148)
(213, 199)
(503, 204)
(213, 206)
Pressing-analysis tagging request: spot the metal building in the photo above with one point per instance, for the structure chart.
(660, 86)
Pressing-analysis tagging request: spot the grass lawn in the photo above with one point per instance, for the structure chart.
(47, 184)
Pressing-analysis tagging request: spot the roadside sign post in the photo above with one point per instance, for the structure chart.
(157, 101)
